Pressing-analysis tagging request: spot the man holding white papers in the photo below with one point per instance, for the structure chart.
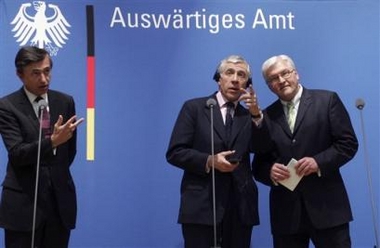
(311, 132)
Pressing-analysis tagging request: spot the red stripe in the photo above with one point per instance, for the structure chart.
(90, 82)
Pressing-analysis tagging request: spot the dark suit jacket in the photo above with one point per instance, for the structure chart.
(189, 147)
(19, 127)
(323, 131)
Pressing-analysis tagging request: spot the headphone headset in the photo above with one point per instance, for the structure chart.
(216, 77)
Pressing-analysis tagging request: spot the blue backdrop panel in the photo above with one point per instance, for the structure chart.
(152, 55)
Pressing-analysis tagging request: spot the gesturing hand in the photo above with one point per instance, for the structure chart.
(250, 99)
(63, 132)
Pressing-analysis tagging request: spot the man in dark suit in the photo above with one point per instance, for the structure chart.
(19, 127)
(321, 138)
(190, 150)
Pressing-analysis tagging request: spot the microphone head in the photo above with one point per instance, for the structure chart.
(211, 102)
(42, 104)
(359, 103)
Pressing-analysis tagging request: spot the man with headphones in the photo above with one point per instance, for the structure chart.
(190, 148)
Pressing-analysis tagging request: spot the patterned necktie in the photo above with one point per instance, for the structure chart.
(291, 115)
(45, 124)
(229, 120)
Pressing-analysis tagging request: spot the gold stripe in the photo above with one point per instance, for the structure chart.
(90, 134)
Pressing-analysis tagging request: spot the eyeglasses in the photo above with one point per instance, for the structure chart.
(276, 78)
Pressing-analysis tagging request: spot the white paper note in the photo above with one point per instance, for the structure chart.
(291, 182)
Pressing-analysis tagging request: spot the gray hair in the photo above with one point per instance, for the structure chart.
(233, 59)
(275, 59)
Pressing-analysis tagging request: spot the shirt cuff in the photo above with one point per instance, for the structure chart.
(257, 120)
(274, 182)
(208, 165)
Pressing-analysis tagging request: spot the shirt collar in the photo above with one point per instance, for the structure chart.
(32, 96)
(222, 101)
(296, 99)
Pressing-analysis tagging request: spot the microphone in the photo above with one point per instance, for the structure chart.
(211, 102)
(41, 104)
(359, 103)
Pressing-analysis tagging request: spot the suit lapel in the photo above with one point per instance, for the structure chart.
(276, 112)
(219, 127)
(52, 107)
(278, 115)
(27, 109)
(302, 109)
(239, 121)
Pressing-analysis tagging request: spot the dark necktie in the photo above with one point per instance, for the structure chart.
(229, 120)
(46, 130)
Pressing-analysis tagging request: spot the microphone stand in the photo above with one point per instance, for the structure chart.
(211, 102)
(360, 107)
(40, 111)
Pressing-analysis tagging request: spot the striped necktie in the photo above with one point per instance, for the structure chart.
(45, 124)
(291, 115)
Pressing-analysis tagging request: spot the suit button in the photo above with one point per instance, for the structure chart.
(294, 141)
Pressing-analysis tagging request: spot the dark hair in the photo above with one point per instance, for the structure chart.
(30, 54)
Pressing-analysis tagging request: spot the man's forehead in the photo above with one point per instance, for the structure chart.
(236, 66)
(45, 63)
(39, 66)
(279, 66)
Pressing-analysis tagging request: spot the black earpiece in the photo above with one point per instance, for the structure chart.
(249, 82)
(216, 76)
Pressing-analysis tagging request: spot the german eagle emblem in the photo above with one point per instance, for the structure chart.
(48, 32)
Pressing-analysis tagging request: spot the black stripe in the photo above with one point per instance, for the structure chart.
(90, 30)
